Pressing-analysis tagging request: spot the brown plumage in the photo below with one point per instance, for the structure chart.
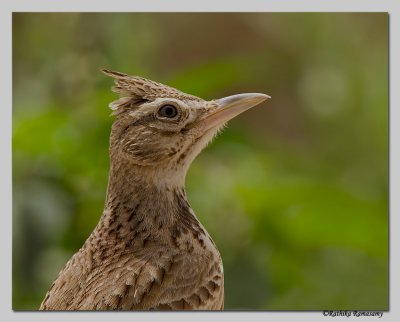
(149, 251)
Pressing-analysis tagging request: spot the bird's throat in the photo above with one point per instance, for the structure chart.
(138, 204)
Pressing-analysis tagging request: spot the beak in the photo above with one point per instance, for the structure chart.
(231, 106)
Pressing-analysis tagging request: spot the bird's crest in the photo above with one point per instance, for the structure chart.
(135, 89)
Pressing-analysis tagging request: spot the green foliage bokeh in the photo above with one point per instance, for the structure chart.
(294, 192)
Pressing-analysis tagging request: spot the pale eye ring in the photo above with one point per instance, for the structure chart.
(168, 111)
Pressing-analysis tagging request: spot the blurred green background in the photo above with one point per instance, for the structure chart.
(294, 192)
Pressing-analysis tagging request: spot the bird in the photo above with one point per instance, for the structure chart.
(149, 251)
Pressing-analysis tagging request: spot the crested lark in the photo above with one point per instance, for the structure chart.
(149, 251)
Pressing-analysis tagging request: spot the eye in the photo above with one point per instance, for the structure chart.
(168, 111)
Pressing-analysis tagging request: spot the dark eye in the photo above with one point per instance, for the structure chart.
(168, 111)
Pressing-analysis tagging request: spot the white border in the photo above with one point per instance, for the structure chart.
(9, 6)
(204, 5)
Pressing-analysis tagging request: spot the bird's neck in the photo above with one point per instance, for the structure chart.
(139, 199)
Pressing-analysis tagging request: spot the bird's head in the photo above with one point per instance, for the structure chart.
(159, 127)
